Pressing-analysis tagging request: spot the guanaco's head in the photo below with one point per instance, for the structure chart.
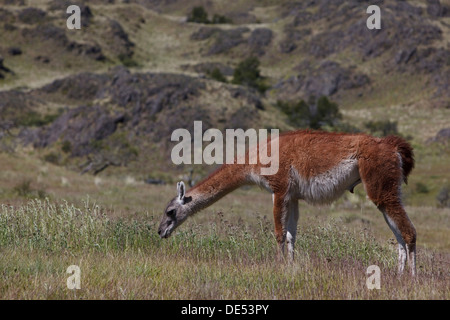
(176, 212)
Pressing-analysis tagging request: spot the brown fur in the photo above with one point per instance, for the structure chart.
(383, 163)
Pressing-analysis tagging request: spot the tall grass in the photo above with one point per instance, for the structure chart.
(125, 258)
(41, 224)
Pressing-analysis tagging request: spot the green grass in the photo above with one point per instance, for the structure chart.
(212, 256)
(123, 258)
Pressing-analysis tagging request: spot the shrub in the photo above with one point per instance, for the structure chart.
(324, 112)
(34, 119)
(127, 61)
(382, 128)
(198, 15)
(66, 146)
(298, 113)
(313, 115)
(247, 73)
(345, 127)
(52, 157)
(42, 194)
(217, 75)
(422, 188)
(220, 19)
(23, 189)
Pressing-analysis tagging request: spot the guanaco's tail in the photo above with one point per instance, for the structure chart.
(406, 152)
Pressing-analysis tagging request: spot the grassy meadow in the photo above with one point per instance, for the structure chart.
(53, 217)
(108, 227)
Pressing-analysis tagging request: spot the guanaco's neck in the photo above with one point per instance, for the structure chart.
(221, 182)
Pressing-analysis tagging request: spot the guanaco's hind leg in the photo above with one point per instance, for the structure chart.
(385, 191)
(405, 233)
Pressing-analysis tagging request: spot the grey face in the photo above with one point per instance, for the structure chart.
(169, 220)
(174, 214)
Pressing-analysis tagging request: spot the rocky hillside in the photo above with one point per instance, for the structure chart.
(108, 96)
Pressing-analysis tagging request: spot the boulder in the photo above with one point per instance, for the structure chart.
(227, 39)
(258, 39)
(443, 137)
(436, 10)
(325, 80)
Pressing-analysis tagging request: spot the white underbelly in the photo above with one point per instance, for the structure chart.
(325, 187)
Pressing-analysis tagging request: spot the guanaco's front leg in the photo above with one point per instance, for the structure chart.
(279, 214)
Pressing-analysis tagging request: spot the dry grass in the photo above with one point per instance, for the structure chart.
(108, 228)
(108, 225)
(226, 252)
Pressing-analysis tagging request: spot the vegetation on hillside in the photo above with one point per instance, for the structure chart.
(199, 15)
(89, 113)
(225, 260)
(248, 73)
(315, 115)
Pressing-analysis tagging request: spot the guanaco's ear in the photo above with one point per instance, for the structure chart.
(181, 190)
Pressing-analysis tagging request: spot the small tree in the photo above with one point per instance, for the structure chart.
(198, 15)
(298, 113)
(313, 114)
(247, 73)
(324, 112)
(217, 75)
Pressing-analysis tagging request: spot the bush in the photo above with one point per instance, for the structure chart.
(220, 19)
(52, 157)
(34, 119)
(345, 127)
(127, 61)
(23, 189)
(422, 188)
(217, 75)
(313, 115)
(382, 128)
(324, 112)
(298, 113)
(247, 73)
(198, 15)
(66, 146)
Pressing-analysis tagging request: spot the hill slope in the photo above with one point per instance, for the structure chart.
(110, 94)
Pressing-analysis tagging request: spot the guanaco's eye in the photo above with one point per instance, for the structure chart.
(171, 213)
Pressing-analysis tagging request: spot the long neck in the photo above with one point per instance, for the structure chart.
(221, 182)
